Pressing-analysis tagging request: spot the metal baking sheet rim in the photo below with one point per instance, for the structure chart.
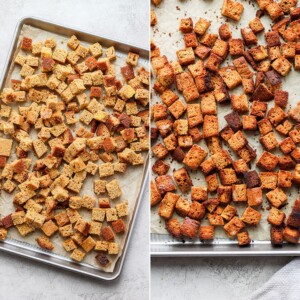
(162, 245)
(13, 247)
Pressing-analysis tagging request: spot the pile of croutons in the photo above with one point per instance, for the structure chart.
(188, 118)
(69, 120)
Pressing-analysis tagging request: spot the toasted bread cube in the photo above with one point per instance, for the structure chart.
(232, 9)
(210, 126)
(182, 207)
(221, 159)
(251, 216)
(186, 25)
(69, 245)
(167, 205)
(49, 228)
(276, 233)
(269, 141)
(190, 40)
(297, 62)
(194, 115)
(177, 109)
(268, 180)
(213, 63)
(249, 123)
(249, 36)
(239, 103)
(99, 186)
(231, 77)
(186, 56)
(243, 238)
(208, 104)
(276, 115)
(228, 213)
(276, 197)
(118, 226)
(195, 157)
(160, 151)
(234, 226)
(173, 227)
(282, 66)
(197, 210)
(220, 48)
(82, 226)
(225, 32)
(201, 26)
(267, 161)
(291, 235)
(113, 189)
(208, 166)
(189, 228)
(254, 196)
(77, 255)
(227, 176)
(23, 229)
(285, 179)
(239, 192)
(26, 44)
(199, 193)
(237, 141)
(212, 182)
(264, 126)
(287, 145)
(256, 25)
(252, 179)
(274, 10)
(259, 109)
(234, 121)
(276, 217)
(293, 219)
(26, 70)
(182, 179)
(206, 233)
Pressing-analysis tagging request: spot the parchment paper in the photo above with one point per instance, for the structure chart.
(169, 39)
(130, 182)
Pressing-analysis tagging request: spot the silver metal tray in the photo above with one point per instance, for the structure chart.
(163, 245)
(33, 252)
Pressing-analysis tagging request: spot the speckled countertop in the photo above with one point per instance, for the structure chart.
(24, 279)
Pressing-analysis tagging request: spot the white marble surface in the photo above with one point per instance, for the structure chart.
(211, 278)
(23, 279)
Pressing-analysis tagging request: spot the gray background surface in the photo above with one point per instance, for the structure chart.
(23, 279)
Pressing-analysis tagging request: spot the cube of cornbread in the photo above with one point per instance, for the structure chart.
(62, 218)
(189, 228)
(81, 51)
(25, 229)
(267, 161)
(111, 214)
(277, 197)
(224, 194)
(101, 246)
(251, 216)
(194, 157)
(75, 202)
(73, 215)
(49, 228)
(122, 209)
(77, 255)
(46, 52)
(186, 25)
(95, 50)
(227, 176)
(268, 180)
(26, 44)
(82, 226)
(269, 141)
(190, 40)
(230, 76)
(106, 169)
(104, 203)
(113, 248)
(73, 42)
(88, 202)
(239, 192)
(88, 244)
(98, 214)
(3, 234)
(285, 179)
(20, 59)
(66, 231)
(210, 126)
(77, 165)
(78, 238)
(177, 108)
(69, 245)
(197, 210)
(8, 186)
(232, 9)
(36, 48)
(107, 234)
(99, 186)
(206, 232)
(276, 217)
(111, 53)
(39, 147)
(52, 82)
(113, 189)
(95, 228)
(167, 205)
(243, 238)
(32, 61)
(291, 235)
(77, 86)
(72, 57)
(18, 218)
(132, 59)
(276, 234)
(212, 182)
(60, 55)
(234, 226)
(26, 70)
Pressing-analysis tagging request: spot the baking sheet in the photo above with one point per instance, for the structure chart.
(133, 175)
(169, 39)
